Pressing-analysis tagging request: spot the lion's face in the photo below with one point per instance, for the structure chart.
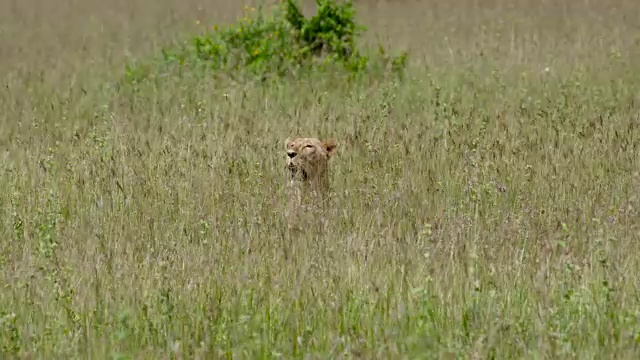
(307, 158)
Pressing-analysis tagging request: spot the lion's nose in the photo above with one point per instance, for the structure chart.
(291, 154)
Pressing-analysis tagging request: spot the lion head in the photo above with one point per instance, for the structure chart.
(307, 159)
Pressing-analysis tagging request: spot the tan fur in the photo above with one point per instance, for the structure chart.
(307, 165)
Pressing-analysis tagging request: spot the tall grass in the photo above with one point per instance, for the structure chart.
(486, 206)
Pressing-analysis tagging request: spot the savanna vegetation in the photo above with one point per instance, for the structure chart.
(484, 193)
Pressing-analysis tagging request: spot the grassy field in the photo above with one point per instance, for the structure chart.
(485, 207)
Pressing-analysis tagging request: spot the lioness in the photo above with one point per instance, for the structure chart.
(307, 166)
(307, 161)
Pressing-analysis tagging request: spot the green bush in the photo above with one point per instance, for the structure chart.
(280, 43)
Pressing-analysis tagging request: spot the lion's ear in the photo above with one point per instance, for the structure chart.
(330, 146)
(288, 142)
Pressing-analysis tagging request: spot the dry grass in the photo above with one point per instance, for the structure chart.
(486, 207)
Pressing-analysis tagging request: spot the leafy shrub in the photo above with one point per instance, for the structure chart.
(281, 43)
(331, 31)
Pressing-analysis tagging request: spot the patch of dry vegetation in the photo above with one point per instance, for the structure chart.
(485, 207)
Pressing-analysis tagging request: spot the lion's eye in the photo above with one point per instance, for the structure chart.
(309, 146)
